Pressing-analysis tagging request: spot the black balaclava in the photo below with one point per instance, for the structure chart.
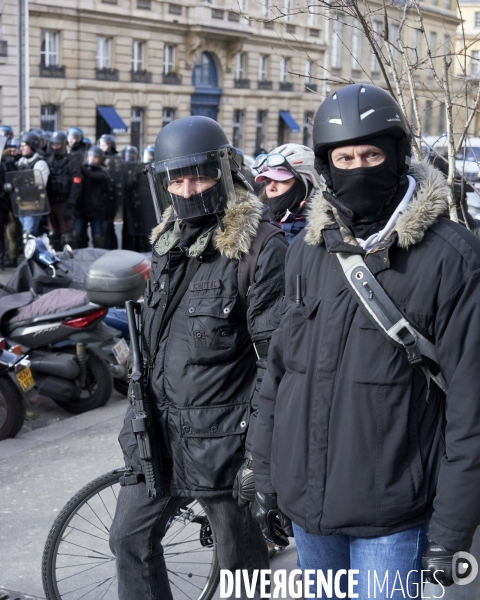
(290, 200)
(367, 197)
(193, 227)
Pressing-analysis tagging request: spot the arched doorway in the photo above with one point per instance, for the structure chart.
(206, 98)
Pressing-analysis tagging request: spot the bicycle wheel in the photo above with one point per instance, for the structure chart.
(78, 563)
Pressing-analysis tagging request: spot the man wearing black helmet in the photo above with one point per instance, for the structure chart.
(64, 189)
(204, 341)
(116, 169)
(355, 441)
(77, 149)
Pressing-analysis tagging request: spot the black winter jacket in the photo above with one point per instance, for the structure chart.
(65, 180)
(95, 192)
(204, 376)
(347, 434)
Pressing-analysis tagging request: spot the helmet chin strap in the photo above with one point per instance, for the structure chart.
(305, 183)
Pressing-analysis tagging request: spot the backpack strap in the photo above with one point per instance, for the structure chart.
(386, 316)
(248, 263)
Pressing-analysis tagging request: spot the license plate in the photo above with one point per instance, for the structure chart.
(120, 351)
(25, 379)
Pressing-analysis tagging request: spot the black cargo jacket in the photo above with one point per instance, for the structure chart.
(204, 373)
(346, 435)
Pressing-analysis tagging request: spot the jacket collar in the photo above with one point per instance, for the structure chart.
(429, 202)
(240, 224)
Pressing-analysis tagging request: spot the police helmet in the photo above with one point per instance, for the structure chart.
(95, 156)
(109, 140)
(58, 143)
(74, 134)
(130, 154)
(6, 131)
(31, 140)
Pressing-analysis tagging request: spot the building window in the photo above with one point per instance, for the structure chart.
(240, 65)
(309, 72)
(238, 128)
(477, 20)
(136, 129)
(168, 115)
(374, 66)
(138, 56)
(49, 117)
(356, 50)
(169, 59)
(307, 128)
(337, 44)
(260, 132)
(428, 117)
(288, 9)
(104, 52)
(243, 4)
(263, 67)
(312, 13)
(266, 7)
(474, 63)
(49, 49)
(284, 67)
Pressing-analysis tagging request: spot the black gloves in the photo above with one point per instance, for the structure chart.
(244, 484)
(68, 211)
(275, 526)
(439, 561)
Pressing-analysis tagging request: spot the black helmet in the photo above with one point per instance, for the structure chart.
(187, 149)
(130, 154)
(148, 154)
(42, 135)
(58, 138)
(95, 156)
(6, 131)
(110, 141)
(87, 142)
(76, 134)
(32, 140)
(354, 113)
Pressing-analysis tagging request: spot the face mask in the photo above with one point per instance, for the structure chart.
(198, 205)
(290, 200)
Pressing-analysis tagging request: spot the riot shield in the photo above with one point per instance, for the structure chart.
(139, 214)
(28, 196)
(3, 141)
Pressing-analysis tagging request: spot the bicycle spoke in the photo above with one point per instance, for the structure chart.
(180, 590)
(100, 582)
(88, 504)
(187, 581)
(104, 593)
(89, 549)
(79, 573)
(87, 533)
(86, 556)
(101, 498)
(92, 524)
(190, 574)
(80, 564)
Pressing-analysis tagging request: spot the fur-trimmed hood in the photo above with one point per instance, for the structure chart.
(429, 201)
(240, 222)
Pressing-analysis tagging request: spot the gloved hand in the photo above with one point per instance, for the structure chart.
(67, 212)
(439, 561)
(244, 484)
(275, 526)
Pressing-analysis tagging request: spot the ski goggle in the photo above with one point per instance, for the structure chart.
(263, 162)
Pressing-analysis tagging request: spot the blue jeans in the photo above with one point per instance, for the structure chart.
(81, 224)
(30, 224)
(391, 562)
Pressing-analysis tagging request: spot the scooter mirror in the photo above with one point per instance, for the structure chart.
(67, 249)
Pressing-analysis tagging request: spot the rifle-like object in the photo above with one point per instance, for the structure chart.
(143, 417)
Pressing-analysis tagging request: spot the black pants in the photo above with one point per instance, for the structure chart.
(138, 528)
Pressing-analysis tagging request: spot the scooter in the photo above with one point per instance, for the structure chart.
(17, 391)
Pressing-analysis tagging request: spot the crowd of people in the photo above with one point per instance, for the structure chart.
(82, 185)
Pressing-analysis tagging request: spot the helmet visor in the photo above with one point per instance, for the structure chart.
(194, 186)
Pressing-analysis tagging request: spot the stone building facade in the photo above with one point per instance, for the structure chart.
(153, 60)
(468, 50)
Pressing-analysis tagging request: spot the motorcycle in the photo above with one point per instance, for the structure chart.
(17, 390)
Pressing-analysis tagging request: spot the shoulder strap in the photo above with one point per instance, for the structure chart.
(386, 316)
(248, 263)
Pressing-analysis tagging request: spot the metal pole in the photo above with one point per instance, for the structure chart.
(20, 65)
(27, 66)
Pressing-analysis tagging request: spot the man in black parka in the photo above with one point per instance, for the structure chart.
(374, 468)
(206, 362)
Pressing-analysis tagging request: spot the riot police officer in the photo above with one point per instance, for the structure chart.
(92, 202)
(77, 149)
(64, 189)
(6, 131)
(116, 169)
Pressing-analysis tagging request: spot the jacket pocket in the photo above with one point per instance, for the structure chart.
(300, 331)
(213, 336)
(213, 439)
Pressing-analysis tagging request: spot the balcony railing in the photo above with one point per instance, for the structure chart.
(310, 87)
(286, 86)
(174, 9)
(141, 76)
(172, 78)
(217, 13)
(242, 84)
(106, 74)
(3, 48)
(144, 4)
(263, 84)
(233, 17)
(52, 71)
